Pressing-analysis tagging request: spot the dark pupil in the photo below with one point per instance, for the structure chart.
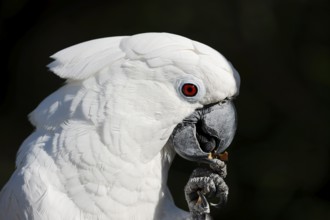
(189, 90)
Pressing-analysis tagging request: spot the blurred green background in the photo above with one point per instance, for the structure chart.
(279, 160)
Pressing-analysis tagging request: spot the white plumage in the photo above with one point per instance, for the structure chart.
(99, 149)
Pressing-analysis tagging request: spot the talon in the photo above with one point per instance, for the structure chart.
(202, 203)
(199, 201)
(223, 199)
(222, 202)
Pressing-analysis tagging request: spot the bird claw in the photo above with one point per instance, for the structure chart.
(204, 182)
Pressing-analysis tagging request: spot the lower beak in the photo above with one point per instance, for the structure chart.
(206, 132)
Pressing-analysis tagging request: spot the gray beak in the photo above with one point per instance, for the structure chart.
(210, 129)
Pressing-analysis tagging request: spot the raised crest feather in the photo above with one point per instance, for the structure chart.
(82, 60)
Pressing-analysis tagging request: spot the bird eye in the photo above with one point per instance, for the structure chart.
(189, 89)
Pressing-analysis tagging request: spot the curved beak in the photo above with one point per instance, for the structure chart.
(208, 131)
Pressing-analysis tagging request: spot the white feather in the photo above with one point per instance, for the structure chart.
(82, 60)
(99, 150)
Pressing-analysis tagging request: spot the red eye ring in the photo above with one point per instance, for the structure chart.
(189, 89)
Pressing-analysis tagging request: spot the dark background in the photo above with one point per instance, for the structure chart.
(279, 160)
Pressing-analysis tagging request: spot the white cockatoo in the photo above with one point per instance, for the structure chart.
(104, 142)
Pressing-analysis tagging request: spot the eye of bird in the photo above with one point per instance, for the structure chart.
(189, 89)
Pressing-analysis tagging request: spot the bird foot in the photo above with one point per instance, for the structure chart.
(206, 183)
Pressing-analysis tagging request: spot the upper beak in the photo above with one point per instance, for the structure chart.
(210, 129)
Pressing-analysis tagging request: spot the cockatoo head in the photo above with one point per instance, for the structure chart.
(136, 89)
